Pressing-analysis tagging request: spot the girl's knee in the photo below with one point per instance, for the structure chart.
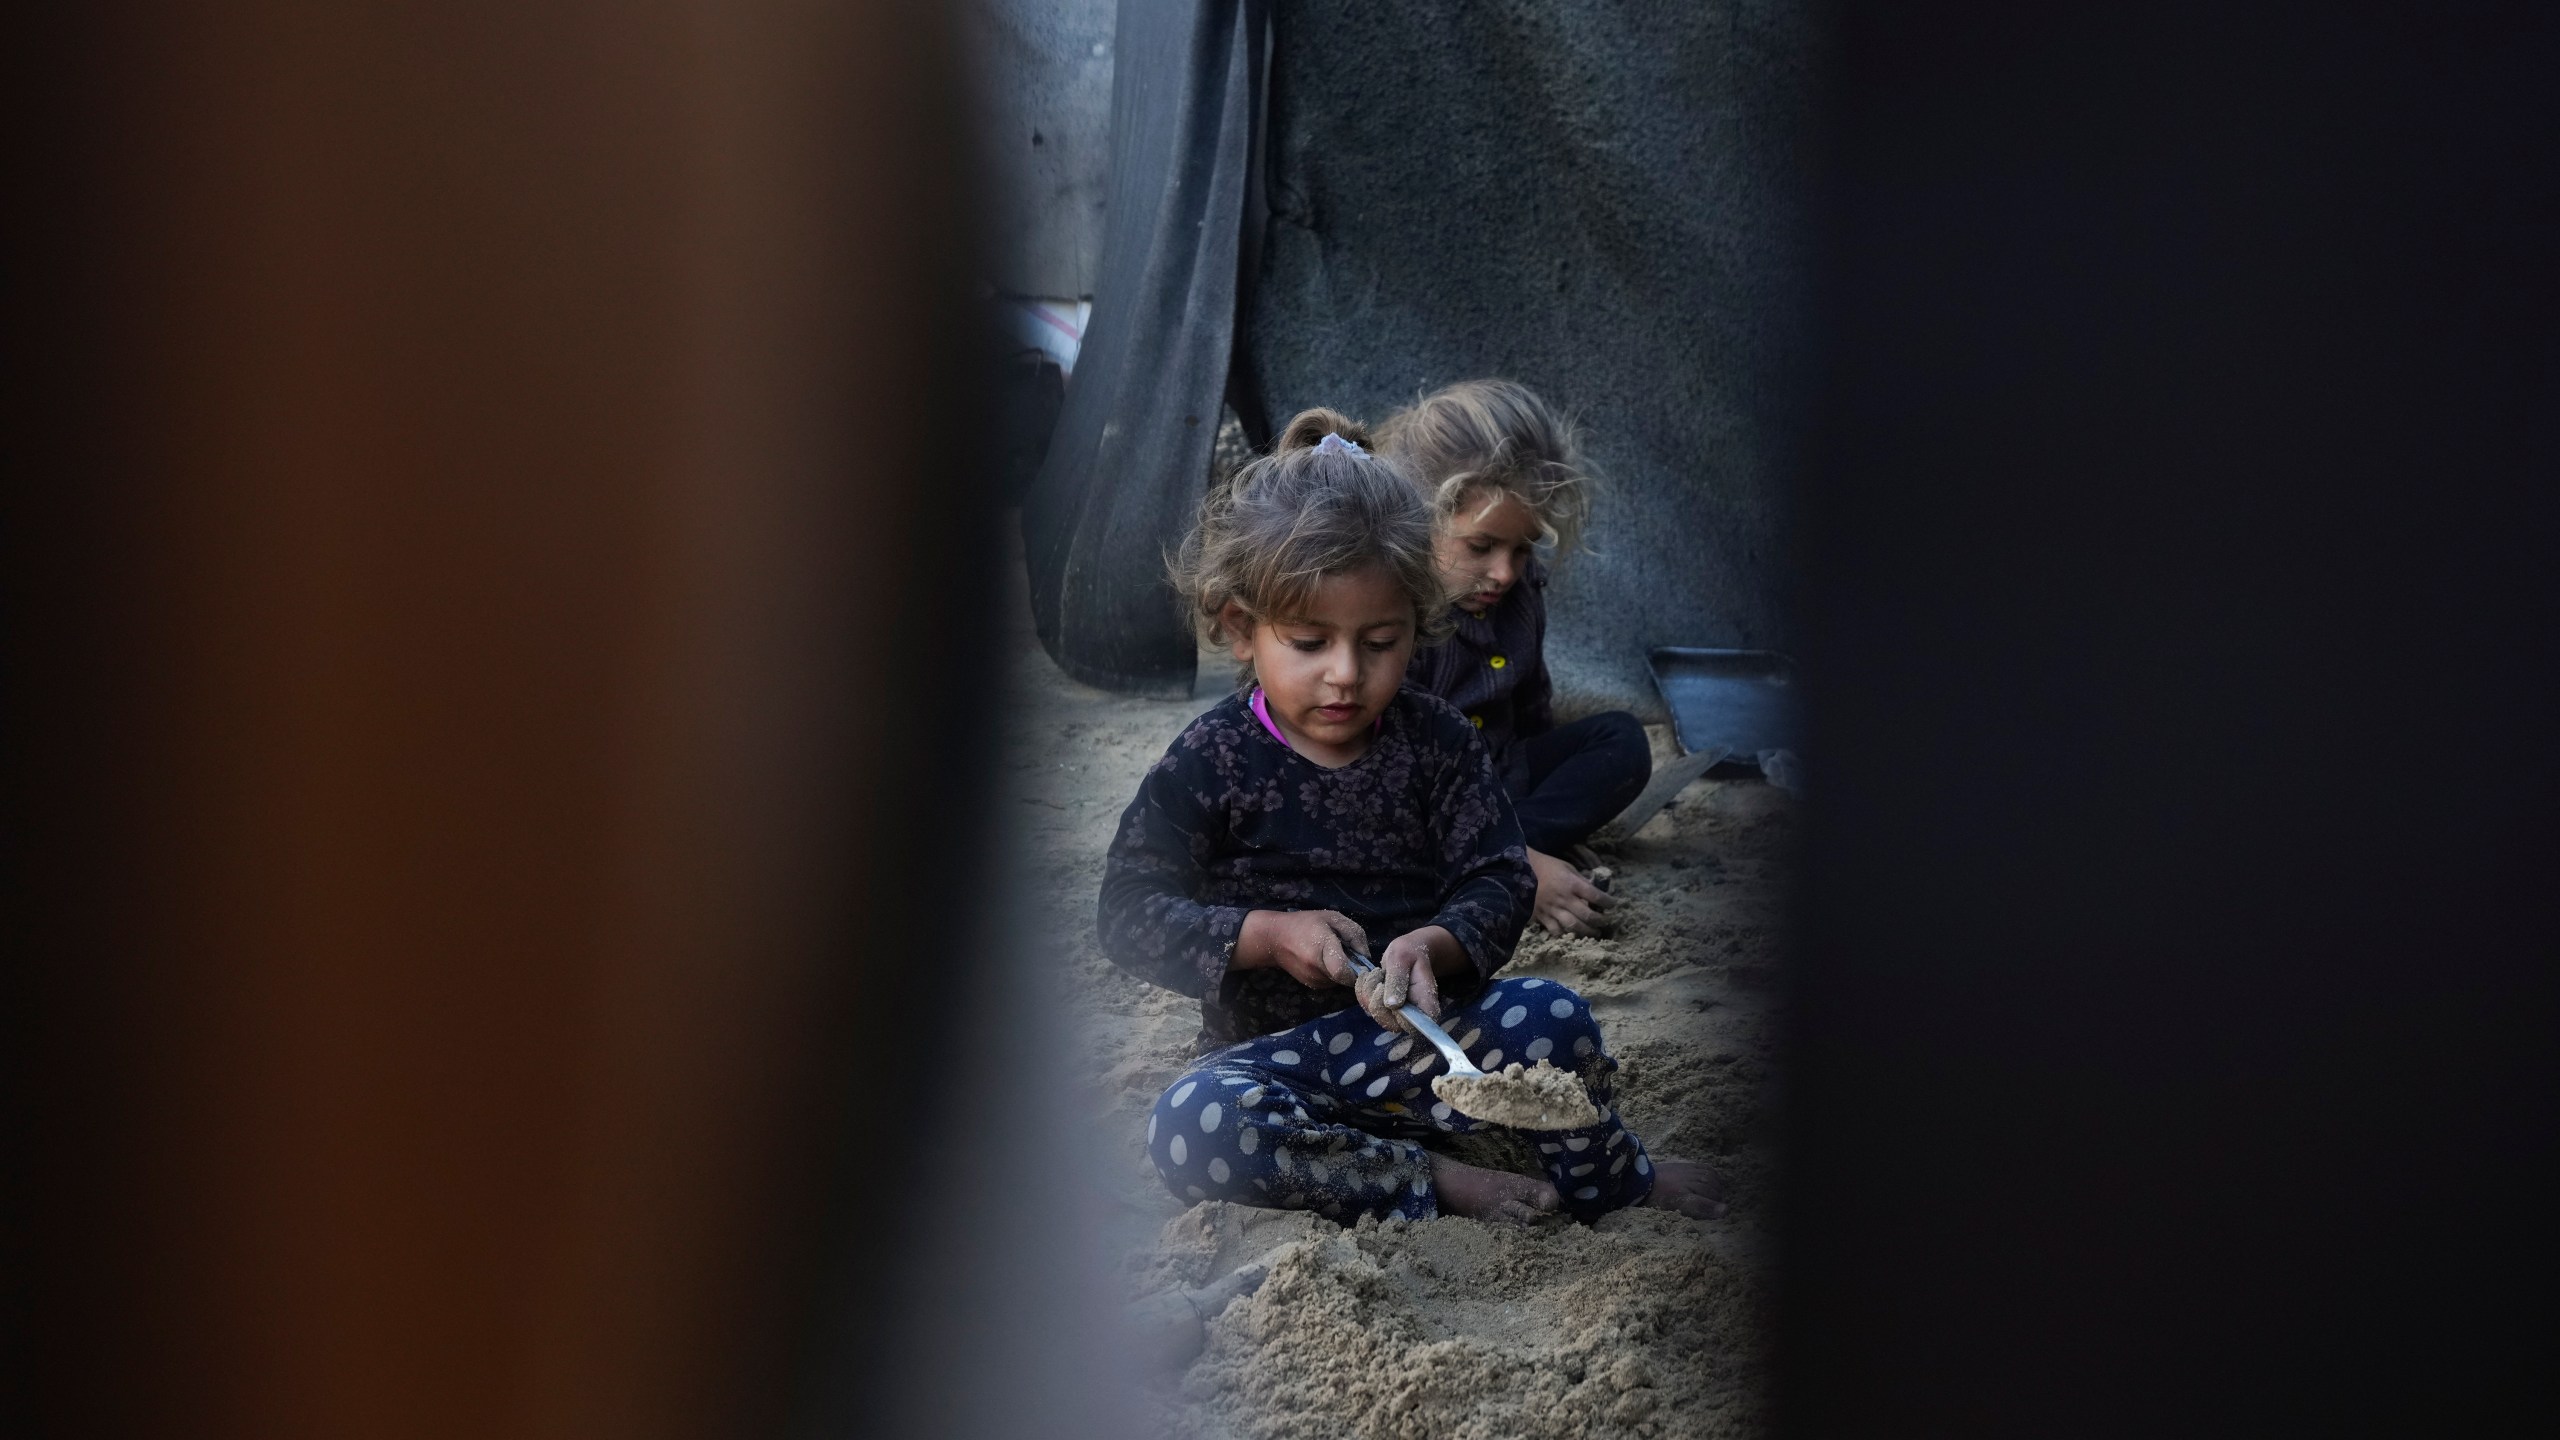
(1202, 1140)
(1621, 731)
(1171, 1128)
(1537, 1020)
(1622, 739)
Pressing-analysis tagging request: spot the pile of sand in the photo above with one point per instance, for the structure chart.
(1544, 1098)
(1646, 1324)
(1639, 1325)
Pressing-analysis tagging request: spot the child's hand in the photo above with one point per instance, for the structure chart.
(1314, 946)
(1567, 903)
(1404, 977)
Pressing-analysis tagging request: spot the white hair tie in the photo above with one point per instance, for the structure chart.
(1333, 441)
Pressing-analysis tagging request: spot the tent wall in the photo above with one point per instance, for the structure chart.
(1598, 199)
(1043, 103)
(1601, 200)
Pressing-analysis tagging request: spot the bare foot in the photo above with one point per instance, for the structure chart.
(1688, 1187)
(1495, 1196)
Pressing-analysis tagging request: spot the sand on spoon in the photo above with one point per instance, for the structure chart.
(1543, 1098)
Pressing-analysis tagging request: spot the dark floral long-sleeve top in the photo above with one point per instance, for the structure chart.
(1415, 832)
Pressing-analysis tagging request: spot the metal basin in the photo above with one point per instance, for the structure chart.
(1739, 701)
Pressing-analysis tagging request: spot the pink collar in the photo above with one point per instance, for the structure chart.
(1262, 713)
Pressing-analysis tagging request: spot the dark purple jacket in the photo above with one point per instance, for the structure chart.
(1494, 669)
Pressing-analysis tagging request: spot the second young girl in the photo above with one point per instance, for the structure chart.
(1322, 812)
(1503, 475)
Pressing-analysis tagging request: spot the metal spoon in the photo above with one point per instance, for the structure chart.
(1459, 1065)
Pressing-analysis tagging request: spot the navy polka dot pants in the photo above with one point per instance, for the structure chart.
(1328, 1116)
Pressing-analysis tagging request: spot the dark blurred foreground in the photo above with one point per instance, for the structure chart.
(495, 542)
(2178, 1040)
(493, 584)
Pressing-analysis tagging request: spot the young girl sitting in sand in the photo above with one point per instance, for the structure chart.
(1324, 813)
(1503, 475)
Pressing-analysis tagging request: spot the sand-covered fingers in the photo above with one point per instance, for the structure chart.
(1370, 991)
(1567, 903)
(1404, 977)
(1313, 946)
(1348, 940)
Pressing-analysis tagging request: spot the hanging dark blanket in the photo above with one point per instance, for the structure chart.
(1124, 471)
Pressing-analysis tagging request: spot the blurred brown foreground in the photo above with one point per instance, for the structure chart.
(478, 467)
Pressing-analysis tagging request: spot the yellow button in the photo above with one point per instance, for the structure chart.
(1499, 662)
(1476, 720)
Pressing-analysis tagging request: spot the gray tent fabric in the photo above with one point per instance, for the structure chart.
(1600, 200)
(1043, 100)
(1124, 472)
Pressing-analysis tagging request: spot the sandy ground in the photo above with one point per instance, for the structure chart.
(1646, 1324)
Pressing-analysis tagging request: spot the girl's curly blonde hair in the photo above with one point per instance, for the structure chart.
(1303, 513)
(1484, 438)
